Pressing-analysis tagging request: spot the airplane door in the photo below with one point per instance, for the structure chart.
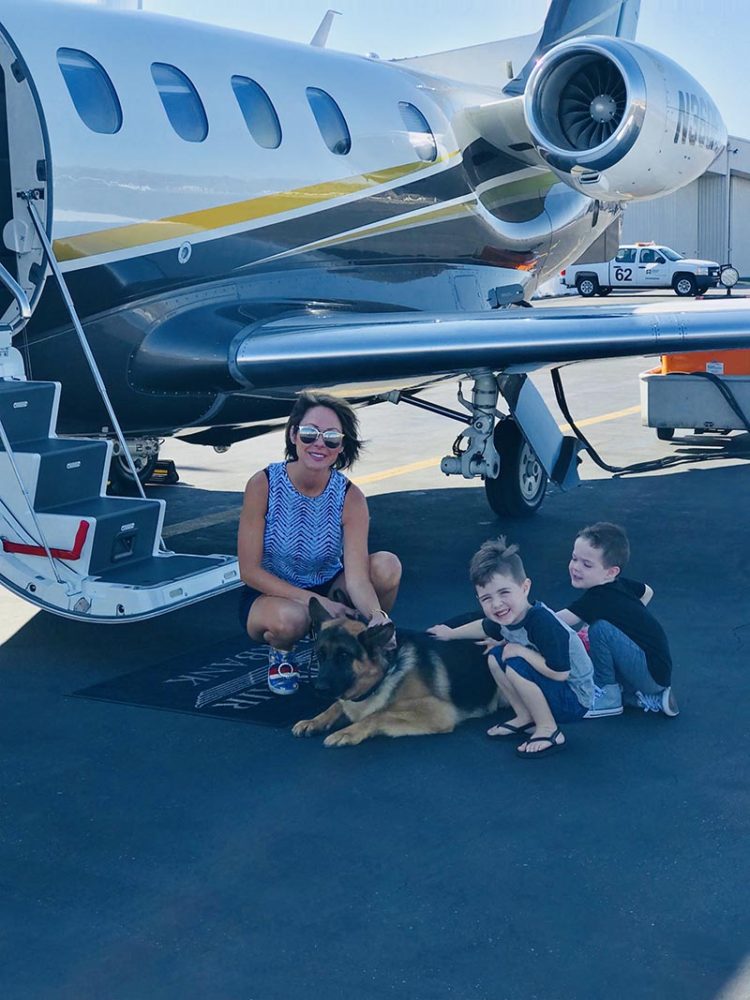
(24, 166)
(652, 269)
(7, 257)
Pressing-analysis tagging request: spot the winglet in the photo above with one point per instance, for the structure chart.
(320, 37)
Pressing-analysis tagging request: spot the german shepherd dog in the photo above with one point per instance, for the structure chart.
(424, 686)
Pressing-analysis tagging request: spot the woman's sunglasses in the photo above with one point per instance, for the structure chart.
(307, 433)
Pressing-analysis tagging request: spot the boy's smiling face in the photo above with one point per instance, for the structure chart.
(586, 567)
(503, 600)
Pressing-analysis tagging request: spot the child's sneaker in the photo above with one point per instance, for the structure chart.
(283, 676)
(607, 701)
(664, 702)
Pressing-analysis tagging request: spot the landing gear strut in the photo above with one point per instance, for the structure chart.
(145, 455)
(514, 478)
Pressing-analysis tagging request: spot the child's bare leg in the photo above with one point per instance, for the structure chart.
(536, 703)
(523, 716)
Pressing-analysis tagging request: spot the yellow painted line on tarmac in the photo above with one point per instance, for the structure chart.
(615, 415)
(183, 527)
(427, 463)
(399, 470)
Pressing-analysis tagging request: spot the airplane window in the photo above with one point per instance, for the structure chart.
(91, 91)
(420, 133)
(181, 102)
(331, 122)
(258, 111)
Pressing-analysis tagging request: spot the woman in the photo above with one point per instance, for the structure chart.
(303, 533)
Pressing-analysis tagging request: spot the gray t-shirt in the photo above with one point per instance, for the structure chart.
(560, 646)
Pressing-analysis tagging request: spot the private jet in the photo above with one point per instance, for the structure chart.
(198, 222)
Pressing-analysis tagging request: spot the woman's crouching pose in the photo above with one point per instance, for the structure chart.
(303, 533)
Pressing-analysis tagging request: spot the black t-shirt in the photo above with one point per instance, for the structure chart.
(619, 602)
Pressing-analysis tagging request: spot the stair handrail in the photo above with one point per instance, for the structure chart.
(24, 314)
(22, 300)
(30, 197)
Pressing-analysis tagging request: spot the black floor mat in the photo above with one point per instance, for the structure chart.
(225, 681)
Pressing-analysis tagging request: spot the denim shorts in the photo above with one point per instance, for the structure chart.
(559, 695)
(248, 595)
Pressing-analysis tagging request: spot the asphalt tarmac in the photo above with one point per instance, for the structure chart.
(149, 855)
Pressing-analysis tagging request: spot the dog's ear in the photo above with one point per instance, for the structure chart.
(377, 637)
(318, 613)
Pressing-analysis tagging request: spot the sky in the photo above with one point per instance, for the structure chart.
(709, 38)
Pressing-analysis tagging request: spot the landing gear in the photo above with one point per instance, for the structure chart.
(145, 455)
(515, 478)
(518, 491)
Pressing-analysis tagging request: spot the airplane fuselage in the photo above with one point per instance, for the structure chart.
(172, 246)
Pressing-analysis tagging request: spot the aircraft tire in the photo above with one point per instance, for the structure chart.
(587, 287)
(121, 478)
(519, 489)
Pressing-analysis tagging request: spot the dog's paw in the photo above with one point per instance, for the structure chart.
(342, 738)
(305, 727)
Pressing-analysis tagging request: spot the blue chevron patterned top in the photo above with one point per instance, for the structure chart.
(303, 539)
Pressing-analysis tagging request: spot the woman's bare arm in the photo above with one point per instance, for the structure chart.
(356, 522)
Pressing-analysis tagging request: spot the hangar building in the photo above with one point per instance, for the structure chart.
(709, 218)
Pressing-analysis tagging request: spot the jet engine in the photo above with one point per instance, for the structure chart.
(617, 120)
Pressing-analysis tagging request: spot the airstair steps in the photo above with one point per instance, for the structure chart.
(98, 558)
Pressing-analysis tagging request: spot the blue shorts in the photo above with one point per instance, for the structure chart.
(248, 595)
(559, 695)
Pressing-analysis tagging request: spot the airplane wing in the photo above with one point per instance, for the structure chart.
(362, 349)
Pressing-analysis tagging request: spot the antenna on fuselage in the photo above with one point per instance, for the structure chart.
(320, 37)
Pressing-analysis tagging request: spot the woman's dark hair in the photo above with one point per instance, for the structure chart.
(352, 445)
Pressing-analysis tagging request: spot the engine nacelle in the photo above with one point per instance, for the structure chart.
(617, 120)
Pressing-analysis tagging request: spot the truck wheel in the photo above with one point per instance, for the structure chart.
(665, 433)
(587, 287)
(604, 290)
(519, 489)
(684, 285)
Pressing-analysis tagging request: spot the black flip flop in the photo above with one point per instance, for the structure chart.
(547, 750)
(512, 730)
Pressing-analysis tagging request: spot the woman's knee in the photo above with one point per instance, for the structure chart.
(279, 619)
(385, 570)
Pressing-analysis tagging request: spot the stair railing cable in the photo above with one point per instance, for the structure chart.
(30, 197)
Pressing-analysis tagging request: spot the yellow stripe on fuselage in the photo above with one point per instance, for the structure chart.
(180, 227)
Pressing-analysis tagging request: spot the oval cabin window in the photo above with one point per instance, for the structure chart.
(258, 111)
(330, 120)
(91, 91)
(181, 102)
(420, 134)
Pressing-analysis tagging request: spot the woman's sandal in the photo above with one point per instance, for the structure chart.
(553, 746)
(511, 730)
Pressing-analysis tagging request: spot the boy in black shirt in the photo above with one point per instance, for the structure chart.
(629, 649)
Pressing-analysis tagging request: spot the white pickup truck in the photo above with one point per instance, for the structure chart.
(643, 265)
